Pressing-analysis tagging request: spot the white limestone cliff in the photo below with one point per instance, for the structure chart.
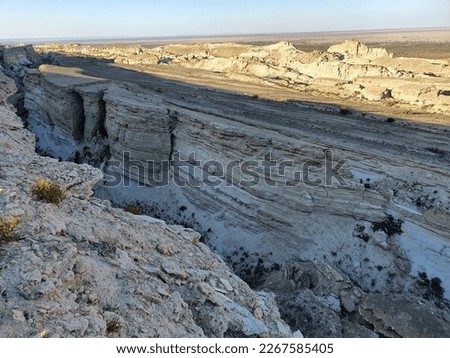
(393, 174)
(85, 269)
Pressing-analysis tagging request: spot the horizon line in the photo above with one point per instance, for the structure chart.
(206, 36)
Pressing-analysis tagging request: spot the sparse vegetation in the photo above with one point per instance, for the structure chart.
(360, 233)
(344, 110)
(133, 209)
(8, 228)
(425, 202)
(45, 190)
(436, 288)
(433, 288)
(196, 239)
(113, 325)
(390, 226)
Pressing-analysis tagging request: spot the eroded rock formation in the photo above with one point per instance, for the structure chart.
(323, 301)
(384, 221)
(333, 219)
(85, 269)
(348, 70)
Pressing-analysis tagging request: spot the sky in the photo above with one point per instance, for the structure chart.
(26, 19)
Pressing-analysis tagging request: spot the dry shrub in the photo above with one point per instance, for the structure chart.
(196, 239)
(113, 325)
(344, 110)
(8, 228)
(45, 190)
(133, 209)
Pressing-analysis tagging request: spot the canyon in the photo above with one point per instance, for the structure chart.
(340, 212)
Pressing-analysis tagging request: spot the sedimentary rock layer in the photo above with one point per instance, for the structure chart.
(377, 176)
(85, 269)
(379, 212)
(348, 70)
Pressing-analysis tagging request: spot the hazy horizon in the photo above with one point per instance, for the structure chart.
(229, 35)
(115, 19)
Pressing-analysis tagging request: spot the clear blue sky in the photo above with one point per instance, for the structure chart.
(139, 18)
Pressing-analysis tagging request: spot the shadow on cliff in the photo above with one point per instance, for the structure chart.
(340, 122)
(107, 69)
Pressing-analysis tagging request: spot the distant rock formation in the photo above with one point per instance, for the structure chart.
(357, 49)
(348, 70)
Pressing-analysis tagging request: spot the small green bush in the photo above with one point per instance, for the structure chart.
(436, 288)
(45, 190)
(432, 287)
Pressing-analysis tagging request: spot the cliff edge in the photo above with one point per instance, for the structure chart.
(84, 269)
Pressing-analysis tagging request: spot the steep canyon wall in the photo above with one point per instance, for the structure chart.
(385, 181)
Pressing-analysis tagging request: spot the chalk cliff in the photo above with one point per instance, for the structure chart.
(85, 269)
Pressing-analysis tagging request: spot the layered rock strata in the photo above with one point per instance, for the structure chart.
(84, 269)
(380, 213)
(347, 70)
(335, 221)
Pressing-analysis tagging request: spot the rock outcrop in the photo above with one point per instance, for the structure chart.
(325, 303)
(85, 269)
(70, 116)
(14, 64)
(353, 48)
(7, 86)
(335, 219)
